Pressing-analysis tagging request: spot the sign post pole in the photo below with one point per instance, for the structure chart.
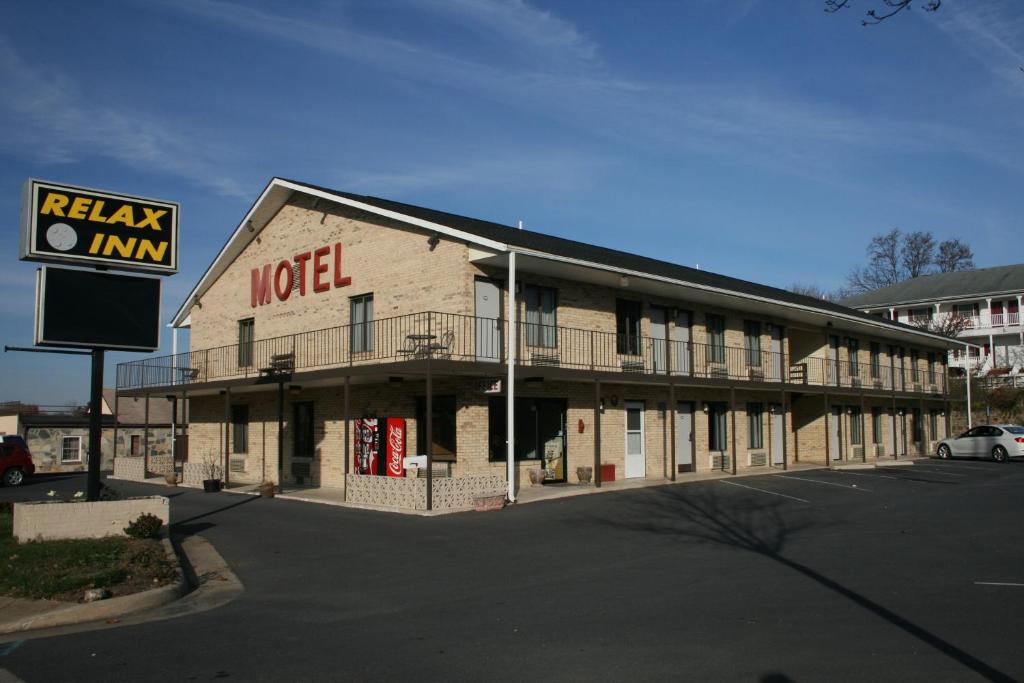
(95, 426)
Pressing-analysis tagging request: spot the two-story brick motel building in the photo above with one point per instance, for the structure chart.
(326, 308)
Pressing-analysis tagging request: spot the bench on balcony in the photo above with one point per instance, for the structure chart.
(280, 364)
(632, 365)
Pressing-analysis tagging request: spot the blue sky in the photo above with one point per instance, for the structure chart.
(759, 142)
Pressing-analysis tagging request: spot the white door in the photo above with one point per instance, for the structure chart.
(833, 360)
(778, 433)
(900, 424)
(659, 339)
(488, 326)
(684, 437)
(776, 363)
(636, 465)
(681, 342)
(834, 430)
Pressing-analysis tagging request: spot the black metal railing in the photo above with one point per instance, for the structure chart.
(450, 336)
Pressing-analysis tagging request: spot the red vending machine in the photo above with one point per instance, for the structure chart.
(367, 446)
(395, 446)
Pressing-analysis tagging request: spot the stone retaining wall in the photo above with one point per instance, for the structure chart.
(454, 493)
(51, 520)
(130, 468)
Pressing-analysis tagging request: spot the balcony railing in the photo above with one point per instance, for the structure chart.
(453, 337)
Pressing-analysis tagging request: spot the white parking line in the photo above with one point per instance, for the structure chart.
(957, 464)
(770, 493)
(935, 470)
(826, 483)
(998, 583)
(872, 474)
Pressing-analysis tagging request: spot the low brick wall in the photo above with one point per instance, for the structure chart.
(130, 468)
(192, 474)
(50, 520)
(406, 493)
(161, 464)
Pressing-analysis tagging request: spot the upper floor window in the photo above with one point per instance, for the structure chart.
(915, 371)
(931, 367)
(752, 342)
(362, 323)
(716, 337)
(876, 360)
(627, 326)
(853, 355)
(540, 316)
(246, 334)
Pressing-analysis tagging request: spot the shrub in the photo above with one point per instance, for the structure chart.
(146, 526)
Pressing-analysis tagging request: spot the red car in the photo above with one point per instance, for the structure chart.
(15, 460)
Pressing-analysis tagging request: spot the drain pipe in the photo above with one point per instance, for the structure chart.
(967, 377)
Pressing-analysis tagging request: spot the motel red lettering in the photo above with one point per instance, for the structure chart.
(261, 286)
(283, 268)
(264, 288)
(319, 267)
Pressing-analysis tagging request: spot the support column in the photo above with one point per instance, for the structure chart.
(227, 436)
(828, 434)
(430, 436)
(145, 437)
(348, 439)
(597, 434)
(95, 426)
(967, 349)
(672, 428)
(922, 449)
(863, 432)
(732, 415)
(785, 431)
(510, 380)
(280, 435)
(116, 420)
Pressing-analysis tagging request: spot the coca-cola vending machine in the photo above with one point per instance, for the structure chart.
(367, 446)
(395, 446)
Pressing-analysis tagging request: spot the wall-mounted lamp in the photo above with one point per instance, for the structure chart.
(601, 406)
(433, 241)
(704, 407)
(849, 410)
(615, 400)
(623, 281)
(197, 303)
(294, 390)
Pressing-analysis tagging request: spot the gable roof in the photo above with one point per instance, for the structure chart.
(963, 284)
(502, 238)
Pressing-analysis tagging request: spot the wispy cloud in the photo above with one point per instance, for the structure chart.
(57, 123)
(991, 32)
(744, 122)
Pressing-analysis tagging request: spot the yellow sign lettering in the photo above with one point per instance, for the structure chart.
(146, 248)
(79, 208)
(97, 240)
(123, 215)
(151, 218)
(54, 204)
(96, 213)
(124, 248)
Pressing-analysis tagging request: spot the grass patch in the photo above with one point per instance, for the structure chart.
(63, 570)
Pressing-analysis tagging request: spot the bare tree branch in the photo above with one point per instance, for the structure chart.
(954, 255)
(948, 325)
(893, 7)
(917, 253)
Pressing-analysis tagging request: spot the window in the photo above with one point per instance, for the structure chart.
(716, 337)
(361, 318)
(240, 429)
(717, 431)
(876, 360)
(852, 355)
(918, 431)
(71, 449)
(136, 445)
(933, 419)
(856, 433)
(876, 425)
(752, 342)
(246, 334)
(931, 367)
(627, 326)
(540, 316)
(920, 314)
(443, 427)
(915, 371)
(755, 425)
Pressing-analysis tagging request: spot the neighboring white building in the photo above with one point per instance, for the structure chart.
(989, 298)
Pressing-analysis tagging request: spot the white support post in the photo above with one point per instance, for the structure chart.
(967, 350)
(174, 380)
(510, 357)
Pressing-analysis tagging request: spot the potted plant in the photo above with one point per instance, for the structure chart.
(211, 474)
(171, 478)
(536, 476)
(584, 474)
(267, 489)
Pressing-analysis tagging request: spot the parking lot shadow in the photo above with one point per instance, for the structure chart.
(706, 515)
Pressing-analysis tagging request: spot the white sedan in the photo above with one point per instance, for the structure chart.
(998, 442)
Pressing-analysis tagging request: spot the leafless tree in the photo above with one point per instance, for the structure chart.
(948, 325)
(954, 255)
(813, 291)
(917, 253)
(890, 9)
(883, 267)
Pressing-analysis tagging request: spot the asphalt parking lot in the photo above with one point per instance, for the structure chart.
(911, 573)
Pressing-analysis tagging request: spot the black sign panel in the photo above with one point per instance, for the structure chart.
(88, 309)
(76, 225)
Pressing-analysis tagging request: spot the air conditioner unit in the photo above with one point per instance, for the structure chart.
(547, 359)
(758, 459)
(717, 371)
(858, 452)
(629, 365)
(756, 374)
(237, 464)
(855, 381)
(879, 450)
(877, 384)
(719, 461)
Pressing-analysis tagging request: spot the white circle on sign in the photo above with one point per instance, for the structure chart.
(62, 237)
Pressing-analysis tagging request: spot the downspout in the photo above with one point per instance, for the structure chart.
(510, 403)
(967, 375)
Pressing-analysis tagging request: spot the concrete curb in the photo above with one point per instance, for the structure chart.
(894, 463)
(106, 609)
